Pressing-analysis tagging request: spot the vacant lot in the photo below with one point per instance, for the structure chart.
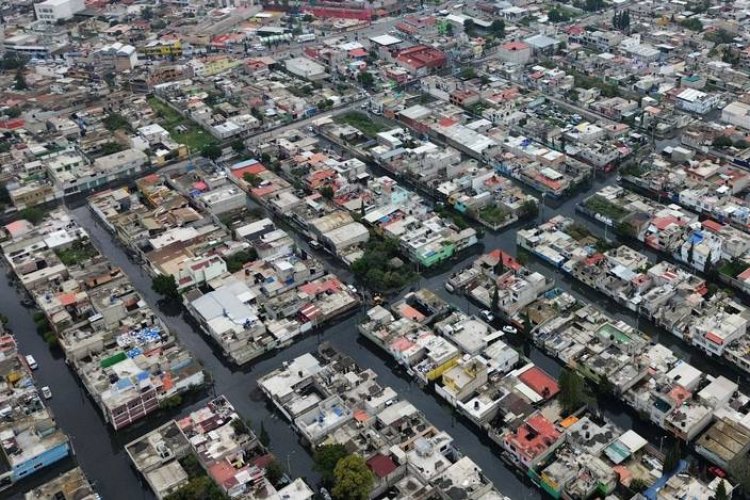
(363, 122)
(180, 128)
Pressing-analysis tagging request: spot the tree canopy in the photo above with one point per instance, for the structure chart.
(166, 286)
(211, 151)
(354, 480)
(621, 20)
(673, 456)
(497, 28)
(572, 390)
(325, 459)
(34, 215)
(469, 26)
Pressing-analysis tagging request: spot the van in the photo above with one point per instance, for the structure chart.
(31, 362)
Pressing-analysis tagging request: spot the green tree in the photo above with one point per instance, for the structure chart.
(147, 12)
(469, 27)
(572, 390)
(115, 121)
(263, 437)
(109, 148)
(449, 29)
(5, 198)
(34, 215)
(497, 28)
(529, 209)
(252, 179)
(692, 23)
(637, 485)
(495, 300)
(237, 260)
(325, 459)
(499, 268)
(354, 480)
(721, 492)
(20, 81)
(274, 472)
(327, 192)
(11, 61)
(211, 151)
(722, 142)
(13, 112)
(527, 324)
(673, 456)
(366, 79)
(239, 427)
(468, 73)
(165, 285)
(238, 146)
(739, 470)
(202, 487)
(555, 15)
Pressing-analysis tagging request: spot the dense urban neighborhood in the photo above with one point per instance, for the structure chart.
(375, 250)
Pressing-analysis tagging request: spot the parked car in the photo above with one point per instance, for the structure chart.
(47, 392)
(31, 362)
(717, 471)
(487, 316)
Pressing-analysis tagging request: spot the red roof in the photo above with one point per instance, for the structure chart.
(421, 56)
(447, 122)
(309, 312)
(381, 465)
(712, 225)
(541, 383)
(662, 223)
(516, 45)
(744, 275)
(253, 169)
(360, 52)
(12, 124)
(508, 261)
(714, 338)
(595, 259)
(534, 437)
(315, 288)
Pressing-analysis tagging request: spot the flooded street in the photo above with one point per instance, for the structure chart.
(100, 451)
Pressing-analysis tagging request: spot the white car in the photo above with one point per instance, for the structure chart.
(46, 392)
(510, 329)
(487, 316)
(352, 289)
(31, 362)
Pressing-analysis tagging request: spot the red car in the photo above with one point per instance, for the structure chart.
(717, 471)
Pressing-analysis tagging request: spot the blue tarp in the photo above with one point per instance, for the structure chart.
(123, 383)
(653, 491)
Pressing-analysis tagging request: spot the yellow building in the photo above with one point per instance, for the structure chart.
(163, 48)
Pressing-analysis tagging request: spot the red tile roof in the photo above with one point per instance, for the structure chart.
(712, 226)
(381, 465)
(540, 382)
(534, 437)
